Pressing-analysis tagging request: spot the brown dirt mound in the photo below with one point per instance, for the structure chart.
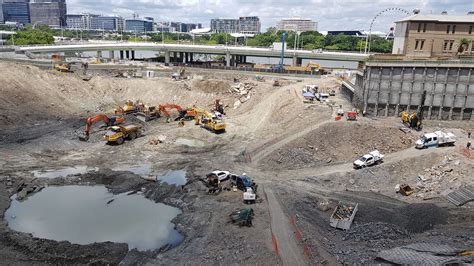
(29, 95)
(211, 86)
(339, 143)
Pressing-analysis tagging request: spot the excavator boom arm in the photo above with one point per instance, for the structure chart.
(163, 109)
(104, 118)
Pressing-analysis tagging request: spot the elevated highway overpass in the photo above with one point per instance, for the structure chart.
(185, 52)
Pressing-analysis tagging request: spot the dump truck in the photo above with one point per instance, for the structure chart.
(372, 158)
(211, 121)
(436, 139)
(108, 121)
(118, 134)
(343, 215)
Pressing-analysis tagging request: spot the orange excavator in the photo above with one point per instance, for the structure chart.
(108, 121)
(162, 108)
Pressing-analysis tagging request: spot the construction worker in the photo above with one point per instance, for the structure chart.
(468, 145)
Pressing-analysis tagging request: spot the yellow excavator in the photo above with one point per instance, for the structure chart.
(130, 107)
(412, 120)
(415, 120)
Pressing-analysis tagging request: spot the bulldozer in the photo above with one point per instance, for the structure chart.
(63, 67)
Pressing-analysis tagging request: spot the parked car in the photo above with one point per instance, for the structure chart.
(243, 182)
(221, 175)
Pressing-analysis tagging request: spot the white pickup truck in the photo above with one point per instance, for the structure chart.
(436, 139)
(372, 158)
(322, 97)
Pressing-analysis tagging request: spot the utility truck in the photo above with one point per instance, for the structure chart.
(372, 158)
(436, 139)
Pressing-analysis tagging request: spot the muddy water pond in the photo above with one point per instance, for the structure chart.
(190, 142)
(176, 177)
(88, 214)
(63, 172)
(172, 177)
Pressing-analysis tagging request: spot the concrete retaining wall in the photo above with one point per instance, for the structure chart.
(389, 90)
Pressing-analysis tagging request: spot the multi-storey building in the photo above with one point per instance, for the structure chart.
(249, 25)
(78, 21)
(108, 23)
(138, 25)
(48, 12)
(224, 25)
(95, 22)
(297, 24)
(1, 12)
(16, 11)
(433, 35)
(182, 27)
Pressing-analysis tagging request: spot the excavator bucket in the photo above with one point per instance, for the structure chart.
(83, 137)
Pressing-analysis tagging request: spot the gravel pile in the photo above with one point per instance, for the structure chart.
(376, 231)
(422, 217)
(414, 218)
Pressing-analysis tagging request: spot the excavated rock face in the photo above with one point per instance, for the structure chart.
(339, 143)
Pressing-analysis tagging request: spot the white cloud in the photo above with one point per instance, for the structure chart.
(331, 14)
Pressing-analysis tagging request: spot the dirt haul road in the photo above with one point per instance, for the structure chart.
(282, 233)
(44, 110)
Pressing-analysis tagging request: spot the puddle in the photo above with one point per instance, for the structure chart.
(63, 172)
(190, 142)
(176, 177)
(81, 215)
(140, 169)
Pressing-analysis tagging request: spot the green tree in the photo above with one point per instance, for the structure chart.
(221, 38)
(380, 45)
(463, 44)
(30, 36)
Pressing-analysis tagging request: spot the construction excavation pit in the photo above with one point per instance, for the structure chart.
(222, 167)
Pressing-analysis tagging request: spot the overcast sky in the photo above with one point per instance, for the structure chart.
(330, 14)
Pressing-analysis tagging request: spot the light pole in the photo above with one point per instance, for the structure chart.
(162, 34)
(36, 23)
